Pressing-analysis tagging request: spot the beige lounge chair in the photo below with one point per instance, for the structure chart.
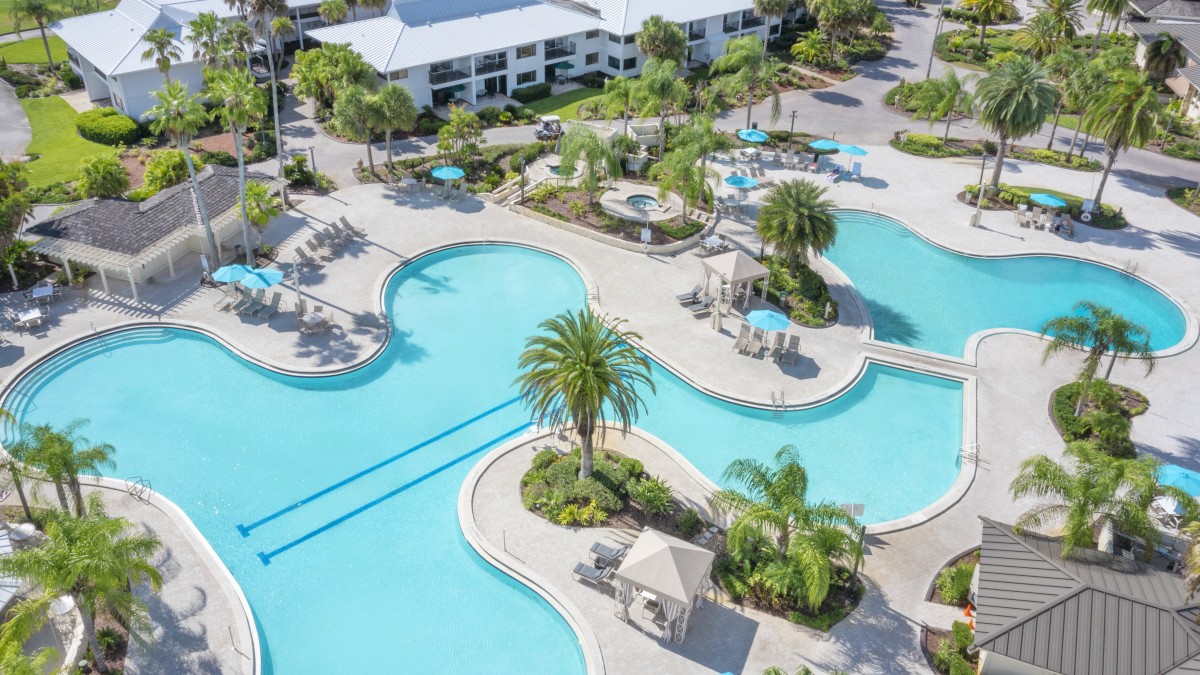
(255, 304)
(356, 231)
(230, 295)
(777, 346)
(756, 342)
(243, 302)
(743, 338)
(271, 308)
(792, 351)
(303, 258)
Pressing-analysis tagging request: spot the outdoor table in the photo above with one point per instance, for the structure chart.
(751, 153)
(312, 318)
(713, 240)
(43, 291)
(28, 315)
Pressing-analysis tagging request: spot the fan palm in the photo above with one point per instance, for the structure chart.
(320, 73)
(659, 90)
(396, 112)
(989, 12)
(584, 371)
(595, 157)
(263, 15)
(62, 455)
(796, 218)
(207, 36)
(261, 204)
(96, 560)
(620, 92)
(1123, 116)
(1080, 90)
(745, 69)
(332, 11)
(162, 50)
(180, 115)
(238, 40)
(811, 49)
(41, 12)
(1064, 14)
(239, 103)
(680, 171)
(771, 503)
(1096, 330)
(1060, 65)
(701, 135)
(770, 9)
(945, 96)
(1040, 36)
(1164, 54)
(662, 39)
(1013, 102)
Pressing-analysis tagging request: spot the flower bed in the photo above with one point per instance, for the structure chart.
(1010, 196)
(1106, 419)
(804, 294)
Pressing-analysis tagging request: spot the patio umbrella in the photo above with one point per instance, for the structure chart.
(231, 273)
(741, 182)
(752, 135)
(458, 88)
(447, 174)
(261, 278)
(768, 320)
(564, 65)
(852, 150)
(1047, 200)
(825, 144)
(1177, 476)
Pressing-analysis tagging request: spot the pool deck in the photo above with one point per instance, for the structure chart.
(1162, 244)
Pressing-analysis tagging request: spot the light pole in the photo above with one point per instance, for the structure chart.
(936, 32)
(978, 215)
(791, 132)
(313, 156)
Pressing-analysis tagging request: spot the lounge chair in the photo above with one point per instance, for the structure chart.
(689, 297)
(336, 236)
(241, 303)
(255, 304)
(792, 351)
(756, 342)
(777, 346)
(743, 338)
(229, 295)
(593, 575)
(271, 308)
(856, 171)
(702, 306)
(303, 258)
(607, 555)
(356, 231)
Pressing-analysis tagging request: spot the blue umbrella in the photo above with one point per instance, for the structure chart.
(261, 278)
(825, 144)
(741, 182)
(448, 173)
(1177, 476)
(852, 150)
(768, 320)
(752, 135)
(231, 273)
(1047, 200)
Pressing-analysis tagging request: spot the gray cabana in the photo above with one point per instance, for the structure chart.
(673, 570)
(736, 268)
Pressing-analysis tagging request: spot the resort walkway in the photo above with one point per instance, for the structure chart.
(15, 133)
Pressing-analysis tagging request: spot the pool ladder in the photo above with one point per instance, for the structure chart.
(970, 452)
(778, 405)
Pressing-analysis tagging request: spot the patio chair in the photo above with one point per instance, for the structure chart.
(255, 304)
(690, 296)
(1023, 218)
(243, 302)
(592, 575)
(356, 231)
(856, 171)
(607, 555)
(271, 308)
(702, 306)
(316, 245)
(743, 338)
(1042, 221)
(338, 237)
(756, 342)
(229, 295)
(57, 293)
(303, 258)
(792, 350)
(650, 609)
(777, 346)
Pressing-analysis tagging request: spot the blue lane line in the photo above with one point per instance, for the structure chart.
(245, 529)
(266, 557)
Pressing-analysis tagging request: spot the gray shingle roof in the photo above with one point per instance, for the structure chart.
(1167, 9)
(130, 228)
(1187, 33)
(1093, 613)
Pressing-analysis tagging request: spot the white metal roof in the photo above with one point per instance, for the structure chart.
(625, 17)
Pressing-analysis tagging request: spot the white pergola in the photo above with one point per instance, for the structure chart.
(673, 570)
(736, 268)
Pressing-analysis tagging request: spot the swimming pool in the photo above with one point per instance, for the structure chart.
(924, 296)
(332, 500)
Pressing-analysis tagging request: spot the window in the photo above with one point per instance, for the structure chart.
(614, 63)
(526, 51)
(615, 39)
(527, 78)
(630, 63)
(591, 59)
(629, 39)
(401, 74)
(591, 35)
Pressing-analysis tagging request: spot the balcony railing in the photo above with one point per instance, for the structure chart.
(730, 28)
(751, 22)
(485, 67)
(695, 35)
(559, 51)
(444, 76)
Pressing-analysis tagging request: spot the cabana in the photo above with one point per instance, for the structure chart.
(736, 268)
(672, 571)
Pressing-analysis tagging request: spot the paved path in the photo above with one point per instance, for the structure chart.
(15, 134)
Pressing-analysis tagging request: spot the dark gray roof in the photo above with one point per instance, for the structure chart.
(1091, 613)
(1167, 9)
(129, 228)
(1188, 34)
(1191, 74)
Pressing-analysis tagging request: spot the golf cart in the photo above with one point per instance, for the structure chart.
(549, 129)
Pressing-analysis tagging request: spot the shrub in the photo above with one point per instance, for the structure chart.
(531, 93)
(69, 78)
(109, 639)
(866, 49)
(102, 176)
(264, 146)
(652, 494)
(220, 158)
(592, 515)
(578, 208)
(26, 90)
(489, 115)
(954, 583)
(167, 167)
(107, 127)
(53, 193)
(611, 476)
(963, 636)
(533, 495)
(591, 490)
(689, 523)
(1184, 150)
(632, 467)
(297, 173)
(429, 126)
(563, 472)
(506, 117)
(16, 78)
(544, 459)
(529, 154)
(569, 515)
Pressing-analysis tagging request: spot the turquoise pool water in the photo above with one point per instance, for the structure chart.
(333, 500)
(926, 297)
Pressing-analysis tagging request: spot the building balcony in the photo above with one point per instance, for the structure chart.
(730, 28)
(559, 51)
(485, 67)
(751, 22)
(695, 36)
(444, 76)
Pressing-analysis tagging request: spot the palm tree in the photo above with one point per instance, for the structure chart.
(771, 503)
(1092, 485)
(1163, 55)
(239, 103)
(660, 90)
(620, 92)
(679, 171)
(841, 17)
(1096, 330)
(770, 9)
(397, 112)
(41, 12)
(162, 50)
(1106, 8)
(180, 115)
(207, 35)
(1014, 102)
(796, 218)
(280, 26)
(599, 162)
(1064, 15)
(239, 40)
(945, 97)
(701, 135)
(662, 39)
(747, 70)
(1060, 65)
(354, 111)
(811, 49)
(102, 176)
(583, 371)
(321, 73)
(372, 4)
(13, 660)
(62, 455)
(15, 465)
(1040, 36)
(261, 204)
(332, 11)
(989, 12)
(1080, 89)
(96, 560)
(1123, 115)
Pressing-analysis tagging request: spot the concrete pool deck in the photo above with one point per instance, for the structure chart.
(1162, 244)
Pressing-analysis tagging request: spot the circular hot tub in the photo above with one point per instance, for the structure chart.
(642, 202)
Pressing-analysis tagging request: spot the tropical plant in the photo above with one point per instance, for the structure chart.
(583, 370)
(207, 35)
(620, 92)
(771, 504)
(1097, 330)
(1123, 116)
(679, 170)
(333, 11)
(954, 583)
(371, 4)
(41, 12)
(840, 18)
(166, 168)
(1164, 54)
(180, 115)
(354, 112)
(320, 73)
(261, 204)
(14, 661)
(588, 158)
(1040, 36)
(662, 39)
(701, 134)
(659, 90)
(460, 138)
(1059, 66)
(15, 208)
(96, 560)
(744, 68)
(102, 176)
(796, 218)
(162, 51)
(265, 17)
(239, 103)
(1080, 89)
(1013, 102)
(811, 49)
(989, 12)
(770, 9)
(1105, 8)
(62, 455)
(15, 465)
(238, 41)
(396, 111)
(1064, 14)
(945, 96)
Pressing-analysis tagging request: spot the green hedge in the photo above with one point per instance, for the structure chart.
(531, 93)
(107, 126)
(1057, 158)
(925, 145)
(1184, 150)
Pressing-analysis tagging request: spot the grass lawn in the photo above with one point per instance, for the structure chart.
(565, 105)
(33, 51)
(55, 139)
(6, 22)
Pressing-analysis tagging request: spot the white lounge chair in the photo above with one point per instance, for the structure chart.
(777, 346)
(756, 342)
(743, 338)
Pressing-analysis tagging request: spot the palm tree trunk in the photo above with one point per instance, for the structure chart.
(586, 458)
(1085, 391)
(1108, 371)
(1112, 158)
(89, 634)
(62, 495)
(1054, 128)
(46, 44)
(1075, 137)
(749, 105)
(982, 32)
(20, 488)
(241, 160)
(391, 167)
(626, 117)
(946, 136)
(275, 102)
(77, 492)
(1003, 150)
(213, 253)
(370, 156)
(1099, 29)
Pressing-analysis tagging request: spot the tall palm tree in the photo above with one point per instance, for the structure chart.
(584, 371)
(770, 9)
(1123, 115)
(262, 15)
(701, 135)
(989, 12)
(332, 11)
(162, 51)
(397, 112)
(62, 455)
(1014, 102)
(1096, 330)
(372, 4)
(1092, 485)
(1106, 8)
(1164, 54)
(945, 96)
(680, 171)
(1080, 89)
(662, 39)
(41, 12)
(1040, 36)
(582, 146)
(239, 103)
(180, 116)
(620, 92)
(1059, 66)
(207, 35)
(746, 69)
(96, 560)
(239, 41)
(796, 218)
(355, 111)
(14, 464)
(838, 18)
(771, 503)
(660, 90)
(1064, 15)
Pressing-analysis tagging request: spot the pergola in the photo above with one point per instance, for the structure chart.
(736, 268)
(673, 570)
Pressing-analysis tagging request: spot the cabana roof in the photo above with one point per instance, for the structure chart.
(735, 267)
(667, 566)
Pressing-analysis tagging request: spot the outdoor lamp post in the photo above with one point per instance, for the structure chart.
(312, 155)
(522, 181)
(791, 132)
(937, 31)
(975, 217)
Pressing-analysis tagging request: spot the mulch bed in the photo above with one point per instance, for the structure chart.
(116, 658)
(934, 637)
(28, 274)
(633, 518)
(973, 556)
